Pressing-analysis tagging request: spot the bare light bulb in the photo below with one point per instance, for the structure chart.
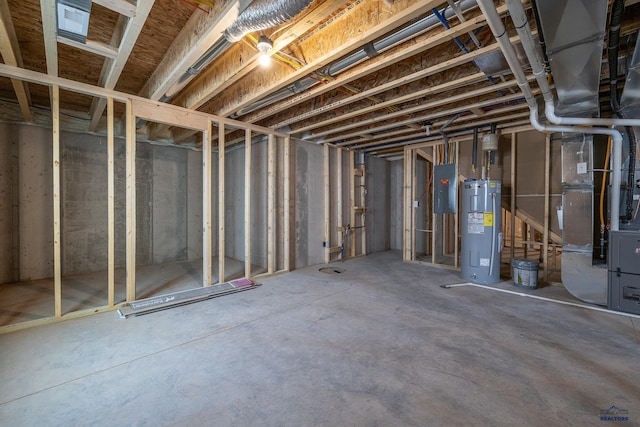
(264, 46)
(264, 59)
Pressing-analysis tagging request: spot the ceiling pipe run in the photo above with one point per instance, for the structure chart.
(370, 50)
(259, 16)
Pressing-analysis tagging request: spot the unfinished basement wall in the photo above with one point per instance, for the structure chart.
(26, 203)
(169, 206)
(396, 189)
(308, 195)
(378, 213)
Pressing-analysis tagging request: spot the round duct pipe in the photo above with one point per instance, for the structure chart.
(263, 14)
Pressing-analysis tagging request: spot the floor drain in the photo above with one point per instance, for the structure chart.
(331, 270)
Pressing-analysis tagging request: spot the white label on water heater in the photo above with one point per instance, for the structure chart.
(484, 262)
(475, 223)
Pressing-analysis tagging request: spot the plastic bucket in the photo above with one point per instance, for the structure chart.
(525, 273)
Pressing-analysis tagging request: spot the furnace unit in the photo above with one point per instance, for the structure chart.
(624, 271)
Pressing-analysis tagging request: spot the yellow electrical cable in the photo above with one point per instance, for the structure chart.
(604, 181)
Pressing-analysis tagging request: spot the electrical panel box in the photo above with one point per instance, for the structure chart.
(624, 271)
(445, 189)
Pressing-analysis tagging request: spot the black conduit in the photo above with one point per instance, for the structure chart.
(612, 54)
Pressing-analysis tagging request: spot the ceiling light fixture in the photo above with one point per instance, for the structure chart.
(264, 46)
(73, 19)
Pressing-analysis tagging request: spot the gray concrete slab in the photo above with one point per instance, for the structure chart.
(380, 344)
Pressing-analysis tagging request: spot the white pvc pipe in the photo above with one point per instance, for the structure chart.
(497, 28)
(520, 294)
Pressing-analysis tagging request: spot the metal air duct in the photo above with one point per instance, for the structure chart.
(263, 14)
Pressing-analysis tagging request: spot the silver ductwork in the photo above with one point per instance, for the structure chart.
(574, 33)
(534, 57)
(264, 14)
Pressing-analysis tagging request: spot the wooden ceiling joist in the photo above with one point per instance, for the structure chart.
(337, 39)
(216, 79)
(416, 119)
(91, 46)
(49, 32)
(442, 101)
(438, 68)
(516, 112)
(123, 7)
(112, 69)
(10, 52)
(423, 43)
(198, 35)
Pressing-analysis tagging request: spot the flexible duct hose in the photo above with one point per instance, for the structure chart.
(263, 14)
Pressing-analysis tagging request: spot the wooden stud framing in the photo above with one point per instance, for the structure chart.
(514, 139)
(456, 216)
(363, 205)
(221, 204)
(131, 202)
(547, 181)
(287, 203)
(123, 7)
(407, 203)
(207, 234)
(352, 199)
(49, 30)
(271, 186)
(434, 221)
(111, 210)
(10, 53)
(57, 262)
(247, 203)
(327, 203)
(340, 213)
(112, 70)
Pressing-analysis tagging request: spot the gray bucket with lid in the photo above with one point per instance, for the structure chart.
(525, 273)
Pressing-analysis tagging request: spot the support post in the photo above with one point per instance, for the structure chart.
(221, 204)
(514, 139)
(271, 179)
(287, 203)
(207, 234)
(456, 216)
(547, 181)
(327, 203)
(352, 199)
(111, 213)
(131, 202)
(57, 244)
(247, 203)
(339, 208)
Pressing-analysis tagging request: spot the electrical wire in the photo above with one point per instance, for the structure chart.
(604, 181)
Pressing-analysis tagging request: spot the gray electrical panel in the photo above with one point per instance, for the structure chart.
(624, 271)
(445, 189)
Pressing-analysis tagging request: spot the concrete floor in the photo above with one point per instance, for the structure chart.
(34, 299)
(380, 344)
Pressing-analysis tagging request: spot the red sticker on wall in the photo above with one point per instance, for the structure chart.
(444, 181)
